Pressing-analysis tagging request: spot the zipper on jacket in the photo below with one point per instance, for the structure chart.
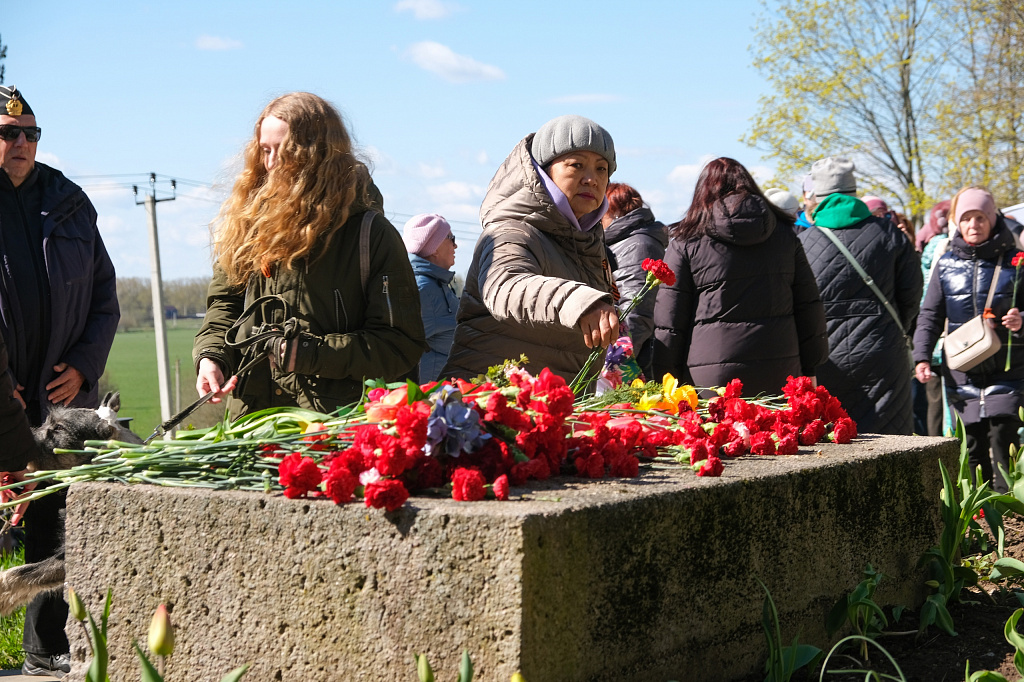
(977, 283)
(339, 310)
(387, 297)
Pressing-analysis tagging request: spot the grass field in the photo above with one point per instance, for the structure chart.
(131, 369)
(11, 655)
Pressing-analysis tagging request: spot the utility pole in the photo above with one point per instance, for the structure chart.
(156, 284)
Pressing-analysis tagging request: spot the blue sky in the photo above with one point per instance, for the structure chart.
(436, 94)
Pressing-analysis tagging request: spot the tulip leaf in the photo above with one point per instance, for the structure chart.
(465, 668)
(235, 674)
(148, 671)
(1007, 568)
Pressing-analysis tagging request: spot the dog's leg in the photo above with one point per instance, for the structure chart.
(19, 585)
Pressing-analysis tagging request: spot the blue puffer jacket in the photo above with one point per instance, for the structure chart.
(956, 293)
(438, 306)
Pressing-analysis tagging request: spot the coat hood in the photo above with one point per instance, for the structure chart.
(837, 211)
(741, 219)
(637, 222)
(516, 193)
(422, 266)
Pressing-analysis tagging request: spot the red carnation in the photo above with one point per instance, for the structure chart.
(733, 389)
(500, 487)
(843, 431)
(626, 466)
(762, 443)
(787, 445)
(340, 484)
(467, 485)
(662, 272)
(1017, 258)
(712, 467)
(299, 475)
(387, 493)
(812, 433)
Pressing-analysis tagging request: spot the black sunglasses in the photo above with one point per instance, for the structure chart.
(10, 133)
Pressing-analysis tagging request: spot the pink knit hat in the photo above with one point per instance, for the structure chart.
(975, 199)
(424, 233)
(874, 203)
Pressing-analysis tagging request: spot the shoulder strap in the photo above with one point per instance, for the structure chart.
(865, 276)
(992, 287)
(364, 249)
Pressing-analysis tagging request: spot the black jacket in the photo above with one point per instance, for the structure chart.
(17, 446)
(631, 239)
(745, 304)
(868, 367)
(957, 292)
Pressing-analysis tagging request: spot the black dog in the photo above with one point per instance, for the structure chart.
(64, 428)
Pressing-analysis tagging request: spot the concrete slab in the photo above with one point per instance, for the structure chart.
(648, 579)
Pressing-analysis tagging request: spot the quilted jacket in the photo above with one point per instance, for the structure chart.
(869, 368)
(957, 292)
(533, 276)
(745, 304)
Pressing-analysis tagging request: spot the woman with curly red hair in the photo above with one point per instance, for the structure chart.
(291, 236)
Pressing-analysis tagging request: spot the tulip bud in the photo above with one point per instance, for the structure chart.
(161, 632)
(423, 668)
(76, 606)
(518, 677)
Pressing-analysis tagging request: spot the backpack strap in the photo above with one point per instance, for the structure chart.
(364, 249)
(866, 277)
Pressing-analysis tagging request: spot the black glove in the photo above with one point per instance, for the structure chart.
(296, 355)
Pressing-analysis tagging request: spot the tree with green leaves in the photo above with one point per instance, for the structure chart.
(854, 78)
(3, 56)
(981, 113)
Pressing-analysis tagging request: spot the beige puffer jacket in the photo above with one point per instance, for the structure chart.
(533, 276)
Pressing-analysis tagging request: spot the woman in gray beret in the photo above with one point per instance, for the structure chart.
(539, 283)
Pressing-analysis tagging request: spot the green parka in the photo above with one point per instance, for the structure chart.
(347, 337)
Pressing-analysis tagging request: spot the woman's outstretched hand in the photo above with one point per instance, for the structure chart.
(211, 378)
(600, 325)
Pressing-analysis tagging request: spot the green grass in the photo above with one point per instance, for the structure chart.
(11, 627)
(131, 369)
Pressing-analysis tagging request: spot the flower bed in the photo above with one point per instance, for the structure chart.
(474, 440)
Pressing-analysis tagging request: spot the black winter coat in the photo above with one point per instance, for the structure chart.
(745, 304)
(83, 295)
(957, 292)
(868, 367)
(631, 239)
(17, 446)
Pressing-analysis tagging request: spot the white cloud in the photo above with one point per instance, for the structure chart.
(379, 162)
(455, 68)
(431, 172)
(425, 9)
(49, 159)
(593, 98)
(683, 178)
(483, 159)
(217, 43)
(464, 212)
(455, 192)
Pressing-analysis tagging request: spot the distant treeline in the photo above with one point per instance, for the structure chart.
(182, 297)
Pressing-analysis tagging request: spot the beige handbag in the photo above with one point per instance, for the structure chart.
(975, 340)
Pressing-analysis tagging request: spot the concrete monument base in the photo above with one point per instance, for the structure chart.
(650, 579)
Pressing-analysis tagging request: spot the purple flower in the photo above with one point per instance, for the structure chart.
(453, 426)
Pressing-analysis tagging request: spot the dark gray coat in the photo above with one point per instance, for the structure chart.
(631, 239)
(745, 304)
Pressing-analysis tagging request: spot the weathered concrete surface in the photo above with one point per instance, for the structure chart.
(649, 579)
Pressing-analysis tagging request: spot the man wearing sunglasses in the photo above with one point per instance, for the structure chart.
(58, 316)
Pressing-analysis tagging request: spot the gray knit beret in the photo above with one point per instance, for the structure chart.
(572, 134)
(833, 175)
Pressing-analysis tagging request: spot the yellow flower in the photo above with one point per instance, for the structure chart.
(637, 383)
(657, 402)
(676, 394)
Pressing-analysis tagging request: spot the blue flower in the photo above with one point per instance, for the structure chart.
(453, 427)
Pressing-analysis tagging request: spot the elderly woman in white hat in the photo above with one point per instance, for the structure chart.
(539, 283)
(431, 245)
